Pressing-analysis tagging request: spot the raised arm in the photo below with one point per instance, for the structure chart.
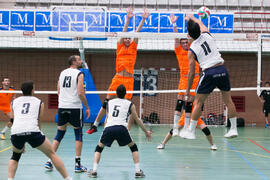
(144, 16)
(203, 28)
(134, 115)
(191, 72)
(129, 16)
(81, 93)
(173, 20)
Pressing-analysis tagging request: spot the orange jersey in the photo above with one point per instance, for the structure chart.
(181, 121)
(126, 57)
(183, 63)
(5, 100)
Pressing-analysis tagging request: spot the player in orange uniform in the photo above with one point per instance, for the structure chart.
(125, 60)
(5, 102)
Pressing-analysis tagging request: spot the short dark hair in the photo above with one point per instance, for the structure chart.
(27, 87)
(4, 77)
(193, 29)
(121, 91)
(71, 59)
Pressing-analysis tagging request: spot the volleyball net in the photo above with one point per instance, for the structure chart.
(41, 56)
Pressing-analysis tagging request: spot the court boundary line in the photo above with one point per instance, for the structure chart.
(259, 145)
(5, 149)
(242, 157)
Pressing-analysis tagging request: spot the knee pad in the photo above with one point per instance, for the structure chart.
(171, 132)
(188, 107)
(105, 103)
(16, 156)
(78, 134)
(99, 149)
(59, 135)
(206, 131)
(134, 148)
(202, 107)
(179, 105)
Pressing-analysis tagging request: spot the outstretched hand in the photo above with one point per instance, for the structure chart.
(130, 12)
(145, 13)
(148, 135)
(189, 16)
(173, 18)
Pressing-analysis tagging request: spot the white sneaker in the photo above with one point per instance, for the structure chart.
(190, 134)
(231, 134)
(182, 133)
(161, 146)
(213, 147)
(175, 132)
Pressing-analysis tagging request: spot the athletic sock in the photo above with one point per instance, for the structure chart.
(78, 160)
(95, 166)
(193, 125)
(187, 118)
(10, 178)
(175, 120)
(4, 130)
(137, 167)
(233, 123)
(68, 178)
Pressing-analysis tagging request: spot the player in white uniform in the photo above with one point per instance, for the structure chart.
(204, 50)
(71, 96)
(118, 111)
(26, 111)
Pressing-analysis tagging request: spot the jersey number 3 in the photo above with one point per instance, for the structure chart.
(26, 107)
(206, 48)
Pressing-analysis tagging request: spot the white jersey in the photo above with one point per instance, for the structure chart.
(206, 51)
(68, 96)
(26, 111)
(118, 111)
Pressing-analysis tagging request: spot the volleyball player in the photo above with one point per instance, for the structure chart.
(118, 111)
(125, 60)
(265, 99)
(203, 49)
(5, 101)
(27, 111)
(71, 96)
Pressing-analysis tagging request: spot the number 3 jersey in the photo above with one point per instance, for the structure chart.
(118, 111)
(26, 112)
(68, 97)
(205, 51)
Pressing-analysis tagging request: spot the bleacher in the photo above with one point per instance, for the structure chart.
(250, 15)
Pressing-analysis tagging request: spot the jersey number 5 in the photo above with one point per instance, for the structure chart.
(206, 48)
(115, 111)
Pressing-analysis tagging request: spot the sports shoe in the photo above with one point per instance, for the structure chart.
(92, 173)
(175, 132)
(48, 165)
(161, 146)
(266, 125)
(231, 134)
(3, 137)
(139, 174)
(189, 134)
(79, 169)
(182, 133)
(213, 147)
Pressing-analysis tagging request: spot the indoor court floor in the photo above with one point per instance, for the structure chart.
(246, 157)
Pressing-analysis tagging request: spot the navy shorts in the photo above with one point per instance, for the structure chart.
(118, 133)
(212, 78)
(266, 110)
(72, 116)
(35, 139)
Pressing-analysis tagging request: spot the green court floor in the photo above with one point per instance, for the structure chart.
(246, 157)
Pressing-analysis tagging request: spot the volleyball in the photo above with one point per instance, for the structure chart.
(203, 12)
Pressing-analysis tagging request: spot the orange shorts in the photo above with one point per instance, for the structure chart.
(5, 109)
(117, 80)
(181, 121)
(183, 84)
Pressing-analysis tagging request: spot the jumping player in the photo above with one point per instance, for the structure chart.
(125, 60)
(265, 99)
(203, 49)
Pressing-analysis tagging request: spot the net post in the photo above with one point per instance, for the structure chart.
(259, 66)
(141, 92)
